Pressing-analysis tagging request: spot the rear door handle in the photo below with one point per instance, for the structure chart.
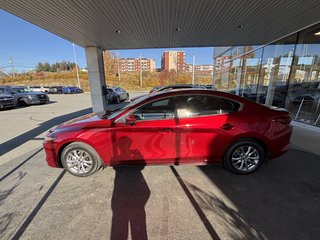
(227, 126)
(166, 130)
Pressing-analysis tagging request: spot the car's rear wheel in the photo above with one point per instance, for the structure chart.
(244, 157)
(80, 159)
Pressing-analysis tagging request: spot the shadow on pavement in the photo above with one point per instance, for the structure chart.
(7, 218)
(34, 212)
(130, 195)
(280, 201)
(22, 138)
(129, 198)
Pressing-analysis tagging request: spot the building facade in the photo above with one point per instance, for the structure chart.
(136, 64)
(283, 74)
(200, 69)
(173, 60)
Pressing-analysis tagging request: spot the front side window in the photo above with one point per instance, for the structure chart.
(202, 105)
(157, 110)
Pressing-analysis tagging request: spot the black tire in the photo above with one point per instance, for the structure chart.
(23, 102)
(118, 100)
(78, 169)
(244, 157)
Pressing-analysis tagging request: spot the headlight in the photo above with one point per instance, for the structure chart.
(49, 139)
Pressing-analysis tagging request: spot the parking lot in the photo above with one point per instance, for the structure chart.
(280, 201)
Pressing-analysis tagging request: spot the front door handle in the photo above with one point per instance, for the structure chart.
(227, 126)
(166, 130)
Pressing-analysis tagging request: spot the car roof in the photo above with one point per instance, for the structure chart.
(186, 91)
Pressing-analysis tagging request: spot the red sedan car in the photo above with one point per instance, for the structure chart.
(176, 127)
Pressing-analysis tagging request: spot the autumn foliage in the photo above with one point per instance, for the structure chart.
(127, 80)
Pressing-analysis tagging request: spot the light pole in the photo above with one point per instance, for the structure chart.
(12, 69)
(193, 66)
(119, 65)
(75, 61)
(140, 82)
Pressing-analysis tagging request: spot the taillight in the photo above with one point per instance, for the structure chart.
(285, 119)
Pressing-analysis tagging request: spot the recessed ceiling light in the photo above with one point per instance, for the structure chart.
(240, 26)
(317, 33)
(178, 29)
(118, 31)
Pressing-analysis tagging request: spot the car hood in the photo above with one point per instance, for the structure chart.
(93, 120)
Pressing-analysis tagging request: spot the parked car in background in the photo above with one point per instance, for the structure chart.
(209, 86)
(120, 94)
(168, 88)
(178, 86)
(154, 89)
(72, 90)
(6, 100)
(57, 90)
(210, 127)
(39, 89)
(110, 95)
(24, 96)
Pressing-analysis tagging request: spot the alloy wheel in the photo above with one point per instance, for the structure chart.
(246, 158)
(79, 161)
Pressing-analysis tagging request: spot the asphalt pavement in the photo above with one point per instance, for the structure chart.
(280, 201)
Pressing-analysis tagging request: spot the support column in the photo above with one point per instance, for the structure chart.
(96, 78)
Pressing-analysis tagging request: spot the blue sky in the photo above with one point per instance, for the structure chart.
(27, 44)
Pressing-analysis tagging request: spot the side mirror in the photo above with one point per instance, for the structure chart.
(130, 119)
(13, 92)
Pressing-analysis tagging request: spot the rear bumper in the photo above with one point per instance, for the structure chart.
(280, 144)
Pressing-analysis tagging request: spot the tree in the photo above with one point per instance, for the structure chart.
(39, 67)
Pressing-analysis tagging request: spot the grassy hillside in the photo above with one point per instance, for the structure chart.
(129, 81)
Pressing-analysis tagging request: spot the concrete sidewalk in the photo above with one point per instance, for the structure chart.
(306, 138)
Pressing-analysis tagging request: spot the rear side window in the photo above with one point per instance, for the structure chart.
(202, 105)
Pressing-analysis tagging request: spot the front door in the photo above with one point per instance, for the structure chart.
(151, 139)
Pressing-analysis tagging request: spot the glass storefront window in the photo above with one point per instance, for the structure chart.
(283, 74)
(303, 95)
(222, 71)
(250, 73)
(275, 70)
(235, 70)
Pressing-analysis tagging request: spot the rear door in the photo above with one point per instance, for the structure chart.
(205, 126)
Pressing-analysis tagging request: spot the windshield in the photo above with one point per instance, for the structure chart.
(21, 90)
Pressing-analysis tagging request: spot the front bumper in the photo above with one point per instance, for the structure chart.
(7, 104)
(52, 156)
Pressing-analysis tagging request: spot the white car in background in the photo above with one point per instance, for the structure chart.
(39, 89)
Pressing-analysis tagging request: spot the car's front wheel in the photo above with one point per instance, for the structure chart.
(23, 102)
(80, 159)
(244, 157)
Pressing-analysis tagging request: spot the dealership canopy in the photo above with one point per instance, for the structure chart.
(129, 24)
